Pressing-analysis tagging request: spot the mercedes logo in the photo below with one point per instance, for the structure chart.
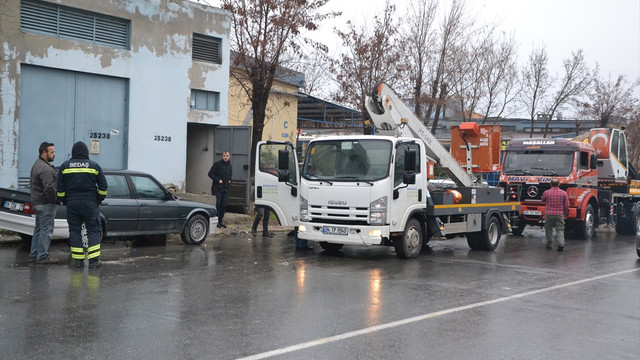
(532, 191)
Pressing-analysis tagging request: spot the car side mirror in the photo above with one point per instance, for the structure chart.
(168, 196)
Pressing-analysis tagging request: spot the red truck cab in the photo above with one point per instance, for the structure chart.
(528, 166)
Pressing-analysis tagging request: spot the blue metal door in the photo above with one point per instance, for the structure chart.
(63, 107)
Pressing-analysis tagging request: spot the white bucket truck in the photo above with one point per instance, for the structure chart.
(376, 189)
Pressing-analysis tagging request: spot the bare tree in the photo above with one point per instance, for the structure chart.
(500, 78)
(452, 30)
(536, 82)
(262, 31)
(608, 99)
(575, 81)
(467, 68)
(317, 78)
(418, 32)
(369, 55)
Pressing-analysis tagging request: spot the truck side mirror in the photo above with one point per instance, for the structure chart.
(283, 159)
(409, 160)
(409, 178)
(283, 165)
(594, 161)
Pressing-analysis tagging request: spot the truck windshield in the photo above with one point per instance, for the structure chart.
(538, 163)
(347, 160)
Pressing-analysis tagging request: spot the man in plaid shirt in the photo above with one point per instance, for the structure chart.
(557, 206)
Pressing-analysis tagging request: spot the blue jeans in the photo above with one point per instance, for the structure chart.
(45, 215)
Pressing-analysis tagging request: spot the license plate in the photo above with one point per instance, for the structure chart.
(532, 212)
(334, 230)
(13, 206)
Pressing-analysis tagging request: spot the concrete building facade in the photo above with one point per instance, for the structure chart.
(130, 78)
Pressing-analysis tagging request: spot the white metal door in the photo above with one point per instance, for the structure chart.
(277, 186)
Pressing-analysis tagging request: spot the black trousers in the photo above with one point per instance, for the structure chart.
(221, 204)
(262, 212)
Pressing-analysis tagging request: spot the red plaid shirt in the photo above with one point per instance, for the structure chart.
(557, 201)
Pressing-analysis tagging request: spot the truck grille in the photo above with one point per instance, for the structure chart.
(533, 192)
(339, 214)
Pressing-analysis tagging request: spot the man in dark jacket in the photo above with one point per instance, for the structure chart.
(82, 186)
(43, 197)
(220, 174)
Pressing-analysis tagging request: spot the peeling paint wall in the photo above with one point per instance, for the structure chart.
(158, 65)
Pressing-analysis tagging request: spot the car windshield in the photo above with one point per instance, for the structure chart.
(347, 160)
(538, 163)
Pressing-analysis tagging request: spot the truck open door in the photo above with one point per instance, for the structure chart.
(277, 179)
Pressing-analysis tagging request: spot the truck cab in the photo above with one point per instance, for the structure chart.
(529, 165)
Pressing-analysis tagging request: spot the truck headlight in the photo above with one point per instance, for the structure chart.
(378, 211)
(304, 210)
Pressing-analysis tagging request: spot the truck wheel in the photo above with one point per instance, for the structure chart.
(195, 233)
(584, 229)
(410, 243)
(488, 238)
(518, 230)
(330, 247)
(630, 224)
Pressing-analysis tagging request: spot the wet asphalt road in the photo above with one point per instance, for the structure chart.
(242, 297)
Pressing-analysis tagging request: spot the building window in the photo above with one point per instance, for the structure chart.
(205, 100)
(40, 17)
(207, 48)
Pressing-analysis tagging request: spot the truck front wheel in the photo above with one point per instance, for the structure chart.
(410, 243)
(584, 229)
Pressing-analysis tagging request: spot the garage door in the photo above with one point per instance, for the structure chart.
(63, 107)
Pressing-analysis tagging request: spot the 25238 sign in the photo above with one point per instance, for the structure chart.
(161, 138)
(99, 135)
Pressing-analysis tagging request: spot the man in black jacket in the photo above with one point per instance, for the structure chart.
(43, 197)
(220, 174)
(82, 186)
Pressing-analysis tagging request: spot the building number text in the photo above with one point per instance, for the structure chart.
(99, 135)
(161, 138)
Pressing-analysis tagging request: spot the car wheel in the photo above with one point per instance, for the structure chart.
(409, 244)
(195, 233)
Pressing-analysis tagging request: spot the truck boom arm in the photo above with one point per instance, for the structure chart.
(392, 117)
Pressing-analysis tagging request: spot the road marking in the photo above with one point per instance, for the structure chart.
(432, 315)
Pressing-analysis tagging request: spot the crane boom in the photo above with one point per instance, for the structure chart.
(392, 117)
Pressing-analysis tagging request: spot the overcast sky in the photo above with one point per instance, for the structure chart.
(608, 31)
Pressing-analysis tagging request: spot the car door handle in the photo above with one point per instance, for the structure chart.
(143, 204)
(104, 203)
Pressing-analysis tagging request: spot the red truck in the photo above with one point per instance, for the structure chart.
(602, 185)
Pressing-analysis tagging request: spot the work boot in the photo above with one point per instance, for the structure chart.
(560, 248)
(254, 232)
(94, 263)
(79, 264)
(268, 234)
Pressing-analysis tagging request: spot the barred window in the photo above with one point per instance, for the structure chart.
(206, 48)
(205, 100)
(65, 22)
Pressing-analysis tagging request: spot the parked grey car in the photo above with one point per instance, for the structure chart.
(136, 204)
